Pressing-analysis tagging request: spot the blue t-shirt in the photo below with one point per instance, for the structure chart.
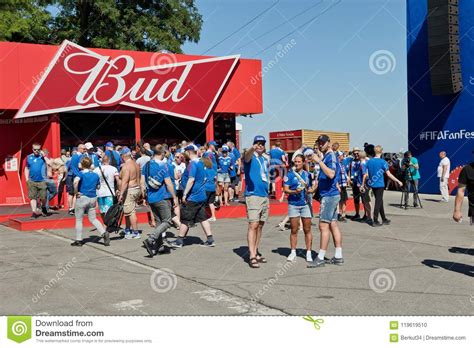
(88, 183)
(376, 168)
(37, 166)
(233, 169)
(298, 199)
(415, 173)
(211, 174)
(170, 168)
(328, 187)
(236, 153)
(195, 169)
(346, 162)
(362, 170)
(74, 164)
(116, 156)
(354, 168)
(94, 158)
(275, 156)
(159, 172)
(224, 164)
(256, 177)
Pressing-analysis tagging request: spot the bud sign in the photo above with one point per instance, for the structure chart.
(78, 78)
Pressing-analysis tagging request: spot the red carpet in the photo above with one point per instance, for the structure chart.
(19, 217)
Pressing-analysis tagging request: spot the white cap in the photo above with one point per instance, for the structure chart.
(88, 145)
(308, 152)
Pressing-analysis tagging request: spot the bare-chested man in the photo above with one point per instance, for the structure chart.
(131, 192)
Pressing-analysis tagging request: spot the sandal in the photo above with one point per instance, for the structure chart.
(253, 263)
(260, 258)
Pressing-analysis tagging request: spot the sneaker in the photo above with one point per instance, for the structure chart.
(149, 246)
(291, 257)
(342, 219)
(212, 219)
(77, 243)
(71, 212)
(136, 235)
(336, 261)
(176, 244)
(309, 257)
(316, 263)
(282, 226)
(128, 235)
(45, 213)
(386, 222)
(35, 216)
(106, 237)
(356, 217)
(208, 244)
(369, 222)
(364, 219)
(377, 224)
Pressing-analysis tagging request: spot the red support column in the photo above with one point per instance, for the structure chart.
(55, 136)
(210, 128)
(138, 129)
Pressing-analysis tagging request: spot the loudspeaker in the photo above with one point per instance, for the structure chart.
(443, 46)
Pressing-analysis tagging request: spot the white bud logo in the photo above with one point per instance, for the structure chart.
(382, 62)
(382, 280)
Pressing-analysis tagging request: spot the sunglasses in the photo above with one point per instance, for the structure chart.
(260, 143)
(37, 149)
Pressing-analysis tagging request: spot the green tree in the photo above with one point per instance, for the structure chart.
(25, 21)
(145, 25)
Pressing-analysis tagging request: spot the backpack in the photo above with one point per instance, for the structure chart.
(113, 217)
(151, 182)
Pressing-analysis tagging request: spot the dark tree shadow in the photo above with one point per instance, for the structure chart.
(451, 266)
(299, 252)
(243, 252)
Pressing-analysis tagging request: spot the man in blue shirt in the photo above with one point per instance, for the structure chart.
(327, 184)
(412, 170)
(34, 174)
(114, 156)
(194, 208)
(159, 188)
(376, 168)
(234, 189)
(73, 171)
(211, 153)
(256, 197)
(278, 162)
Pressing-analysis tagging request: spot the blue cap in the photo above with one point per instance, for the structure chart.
(212, 142)
(191, 147)
(125, 151)
(225, 148)
(259, 138)
(109, 144)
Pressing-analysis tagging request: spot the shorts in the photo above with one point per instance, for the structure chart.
(70, 184)
(257, 208)
(365, 196)
(328, 209)
(296, 211)
(235, 180)
(36, 190)
(132, 197)
(223, 177)
(343, 194)
(356, 193)
(194, 212)
(211, 197)
(105, 203)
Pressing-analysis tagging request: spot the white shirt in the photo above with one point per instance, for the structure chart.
(143, 160)
(180, 168)
(444, 162)
(109, 172)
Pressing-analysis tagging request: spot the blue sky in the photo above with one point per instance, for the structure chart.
(324, 80)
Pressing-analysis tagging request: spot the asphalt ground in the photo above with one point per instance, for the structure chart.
(422, 264)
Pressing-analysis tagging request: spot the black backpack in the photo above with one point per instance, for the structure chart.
(113, 217)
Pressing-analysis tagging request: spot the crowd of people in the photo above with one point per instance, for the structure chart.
(183, 185)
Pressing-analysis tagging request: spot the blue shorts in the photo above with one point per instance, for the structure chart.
(328, 209)
(302, 211)
(105, 203)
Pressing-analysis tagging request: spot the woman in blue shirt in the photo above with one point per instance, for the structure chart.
(86, 185)
(211, 175)
(297, 186)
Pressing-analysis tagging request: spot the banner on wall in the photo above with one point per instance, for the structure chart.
(12, 192)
